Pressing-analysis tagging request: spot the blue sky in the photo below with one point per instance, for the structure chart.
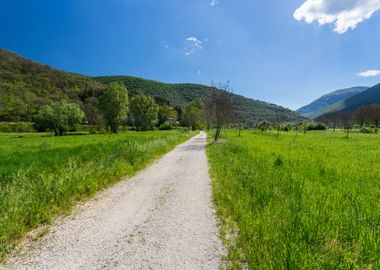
(287, 52)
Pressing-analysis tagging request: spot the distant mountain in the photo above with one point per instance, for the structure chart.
(368, 97)
(181, 94)
(330, 102)
(26, 86)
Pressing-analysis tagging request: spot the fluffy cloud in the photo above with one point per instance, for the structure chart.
(193, 44)
(345, 14)
(214, 3)
(370, 73)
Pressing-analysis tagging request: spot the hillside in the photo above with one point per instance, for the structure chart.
(330, 102)
(181, 94)
(25, 86)
(368, 97)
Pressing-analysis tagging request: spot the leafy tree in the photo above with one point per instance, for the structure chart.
(66, 116)
(91, 109)
(165, 112)
(193, 114)
(114, 105)
(45, 119)
(144, 112)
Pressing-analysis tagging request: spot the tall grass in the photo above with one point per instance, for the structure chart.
(44, 176)
(311, 204)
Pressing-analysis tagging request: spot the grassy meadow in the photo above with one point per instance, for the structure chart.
(42, 175)
(309, 204)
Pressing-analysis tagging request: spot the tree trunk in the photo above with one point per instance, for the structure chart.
(217, 133)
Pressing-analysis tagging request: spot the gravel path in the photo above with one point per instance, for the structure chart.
(162, 218)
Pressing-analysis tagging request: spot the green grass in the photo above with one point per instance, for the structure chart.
(42, 176)
(311, 204)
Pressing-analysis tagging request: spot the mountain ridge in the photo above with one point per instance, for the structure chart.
(330, 102)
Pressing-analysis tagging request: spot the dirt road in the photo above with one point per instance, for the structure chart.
(161, 219)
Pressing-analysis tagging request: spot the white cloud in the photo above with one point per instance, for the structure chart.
(193, 45)
(370, 73)
(214, 3)
(345, 14)
(165, 44)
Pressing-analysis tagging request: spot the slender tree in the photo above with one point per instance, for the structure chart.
(193, 114)
(114, 105)
(219, 108)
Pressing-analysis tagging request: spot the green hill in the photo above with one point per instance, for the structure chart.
(25, 86)
(330, 102)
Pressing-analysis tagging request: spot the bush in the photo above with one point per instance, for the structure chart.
(18, 127)
(368, 130)
(166, 126)
(316, 126)
(365, 130)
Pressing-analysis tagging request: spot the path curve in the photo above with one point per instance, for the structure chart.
(162, 218)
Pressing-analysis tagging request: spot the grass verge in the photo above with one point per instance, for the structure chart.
(41, 177)
(311, 204)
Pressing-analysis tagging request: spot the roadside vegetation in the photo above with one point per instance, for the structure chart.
(42, 175)
(307, 203)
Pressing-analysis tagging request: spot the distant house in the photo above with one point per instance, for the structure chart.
(173, 121)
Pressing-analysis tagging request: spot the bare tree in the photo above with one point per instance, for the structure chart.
(219, 108)
(361, 116)
(374, 114)
(330, 119)
(346, 121)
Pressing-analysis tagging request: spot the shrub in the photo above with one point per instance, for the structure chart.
(316, 126)
(366, 130)
(17, 127)
(166, 126)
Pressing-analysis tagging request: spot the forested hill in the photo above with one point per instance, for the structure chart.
(25, 86)
(181, 94)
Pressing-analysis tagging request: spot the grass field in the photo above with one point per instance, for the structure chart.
(311, 204)
(42, 176)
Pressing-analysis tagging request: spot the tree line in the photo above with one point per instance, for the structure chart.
(113, 108)
(365, 116)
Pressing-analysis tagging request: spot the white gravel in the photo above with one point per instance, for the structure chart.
(162, 218)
